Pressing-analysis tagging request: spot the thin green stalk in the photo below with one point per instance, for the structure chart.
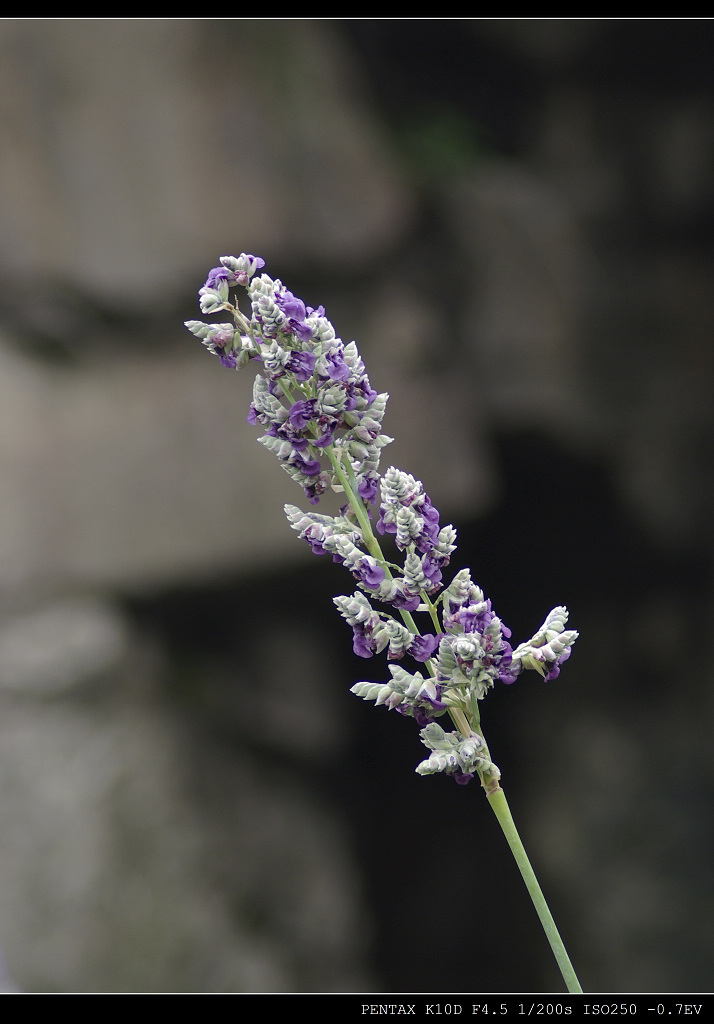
(497, 800)
(368, 538)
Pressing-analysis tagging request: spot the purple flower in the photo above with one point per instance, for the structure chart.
(215, 277)
(301, 413)
(431, 568)
(246, 266)
(293, 307)
(406, 601)
(429, 536)
(369, 572)
(424, 646)
(310, 467)
(361, 644)
(315, 535)
(317, 487)
(325, 438)
(508, 675)
(368, 487)
(302, 364)
(384, 527)
(555, 667)
(294, 310)
(334, 367)
(234, 270)
(420, 716)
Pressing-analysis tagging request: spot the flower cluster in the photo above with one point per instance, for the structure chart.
(323, 421)
(313, 393)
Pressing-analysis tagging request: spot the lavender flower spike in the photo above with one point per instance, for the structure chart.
(323, 421)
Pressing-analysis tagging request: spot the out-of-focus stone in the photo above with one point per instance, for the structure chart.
(131, 473)
(60, 646)
(528, 267)
(135, 858)
(134, 150)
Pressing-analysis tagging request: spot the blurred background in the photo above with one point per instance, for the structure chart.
(515, 220)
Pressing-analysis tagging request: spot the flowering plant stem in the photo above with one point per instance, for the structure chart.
(499, 805)
(313, 397)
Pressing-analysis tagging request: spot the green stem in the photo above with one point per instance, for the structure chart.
(348, 484)
(368, 538)
(497, 800)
